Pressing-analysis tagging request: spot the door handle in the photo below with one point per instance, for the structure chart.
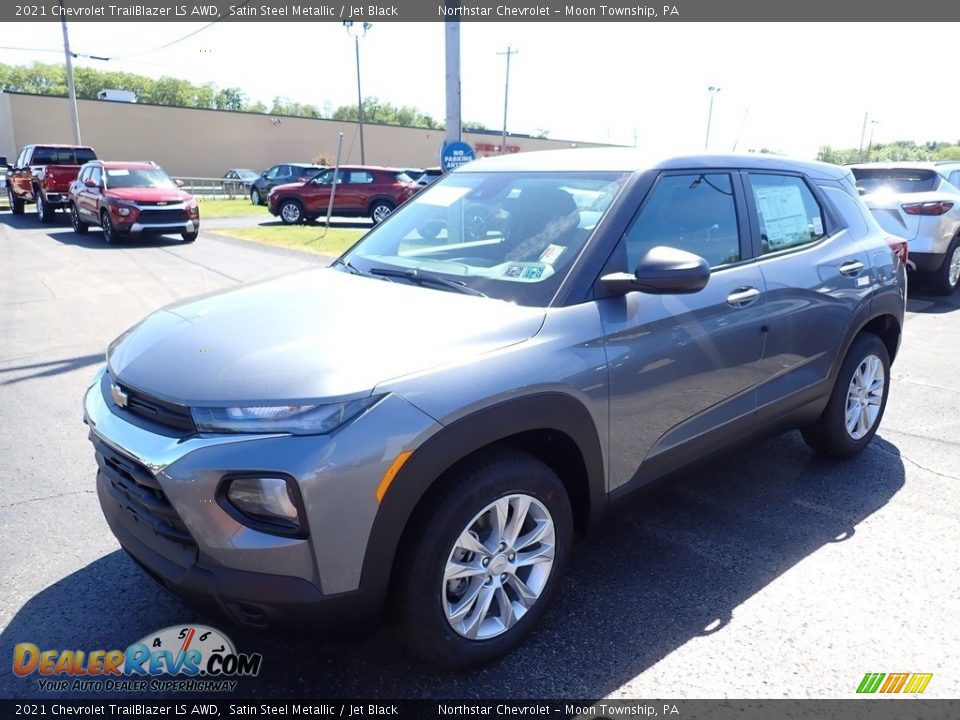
(742, 297)
(852, 268)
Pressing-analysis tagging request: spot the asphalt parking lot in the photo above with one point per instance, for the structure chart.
(773, 573)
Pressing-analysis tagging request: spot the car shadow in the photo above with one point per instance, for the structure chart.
(672, 565)
(921, 300)
(61, 231)
(48, 369)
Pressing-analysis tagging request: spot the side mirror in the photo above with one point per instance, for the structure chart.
(179, 182)
(90, 183)
(662, 271)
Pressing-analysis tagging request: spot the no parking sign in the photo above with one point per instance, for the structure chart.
(456, 154)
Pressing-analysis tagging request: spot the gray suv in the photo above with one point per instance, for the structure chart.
(424, 425)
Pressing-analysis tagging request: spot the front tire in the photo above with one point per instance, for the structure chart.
(16, 205)
(255, 197)
(380, 211)
(857, 402)
(483, 559)
(79, 227)
(189, 237)
(109, 232)
(290, 212)
(944, 280)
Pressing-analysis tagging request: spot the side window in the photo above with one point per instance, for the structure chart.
(96, 175)
(955, 178)
(695, 212)
(84, 174)
(284, 171)
(789, 214)
(360, 177)
(22, 160)
(272, 172)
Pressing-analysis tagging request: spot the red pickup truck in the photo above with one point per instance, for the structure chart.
(42, 175)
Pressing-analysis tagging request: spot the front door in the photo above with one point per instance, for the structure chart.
(683, 369)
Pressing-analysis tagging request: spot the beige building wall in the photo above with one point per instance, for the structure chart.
(206, 143)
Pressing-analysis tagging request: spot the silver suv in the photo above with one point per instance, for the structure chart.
(424, 425)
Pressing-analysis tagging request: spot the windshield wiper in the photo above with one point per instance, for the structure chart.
(416, 276)
(353, 270)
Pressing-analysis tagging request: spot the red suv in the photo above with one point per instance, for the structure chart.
(361, 191)
(127, 198)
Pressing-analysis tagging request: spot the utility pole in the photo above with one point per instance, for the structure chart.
(863, 134)
(506, 95)
(71, 89)
(357, 34)
(452, 44)
(713, 93)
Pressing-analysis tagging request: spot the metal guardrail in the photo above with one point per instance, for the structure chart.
(214, 188)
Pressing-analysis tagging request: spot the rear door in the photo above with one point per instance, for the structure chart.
(21, 178)
(816, 274)
(683, 369)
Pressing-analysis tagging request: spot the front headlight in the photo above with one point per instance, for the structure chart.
(293, 419)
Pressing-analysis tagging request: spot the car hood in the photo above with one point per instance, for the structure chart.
(318, 334)
(171, 195)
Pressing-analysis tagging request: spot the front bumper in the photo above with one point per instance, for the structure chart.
(158, 492)
(148, 228)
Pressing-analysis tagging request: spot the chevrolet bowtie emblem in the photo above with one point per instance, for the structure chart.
(119, 396)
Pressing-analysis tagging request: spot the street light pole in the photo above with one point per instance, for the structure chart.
(713, 93)
(506, 95)
(873, 124)
(348, 24)
(71, 88)
(863, 134)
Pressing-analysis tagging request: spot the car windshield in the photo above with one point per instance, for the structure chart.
(897, 180)
(508, 235)
(247, 174)
(138, 178)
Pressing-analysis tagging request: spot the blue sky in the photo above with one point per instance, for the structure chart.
(784, 86)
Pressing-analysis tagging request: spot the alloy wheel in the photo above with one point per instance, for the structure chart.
(864, 396)
(498, 567)
(290, 212)
(953, 276)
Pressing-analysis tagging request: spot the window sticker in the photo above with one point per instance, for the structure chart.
(784, 215)
(533, 273)
(817, 225)
(552, 254)
(118, 173)
(513, 271)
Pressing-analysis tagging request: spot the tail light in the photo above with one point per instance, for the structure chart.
(899, 247)
(927, 208)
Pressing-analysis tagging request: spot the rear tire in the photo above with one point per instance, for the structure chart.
(44, 211)
(16, 205)
(944, 280)
(189, 237)
(79, 227)
(857, 402)
(504, 572)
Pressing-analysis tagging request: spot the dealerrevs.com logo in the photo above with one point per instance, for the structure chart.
(200, 659)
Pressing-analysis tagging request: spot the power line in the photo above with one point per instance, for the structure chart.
(178, 40)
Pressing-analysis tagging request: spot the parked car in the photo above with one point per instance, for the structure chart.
(42, 175)
(241, 178)
(361, 191)
(424, 424)
(413, 173)
(920, 202)
(430, 175)
(280, 175)
(131, 198)
(4, 167)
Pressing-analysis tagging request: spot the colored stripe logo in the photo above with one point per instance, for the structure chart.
(904, 683)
